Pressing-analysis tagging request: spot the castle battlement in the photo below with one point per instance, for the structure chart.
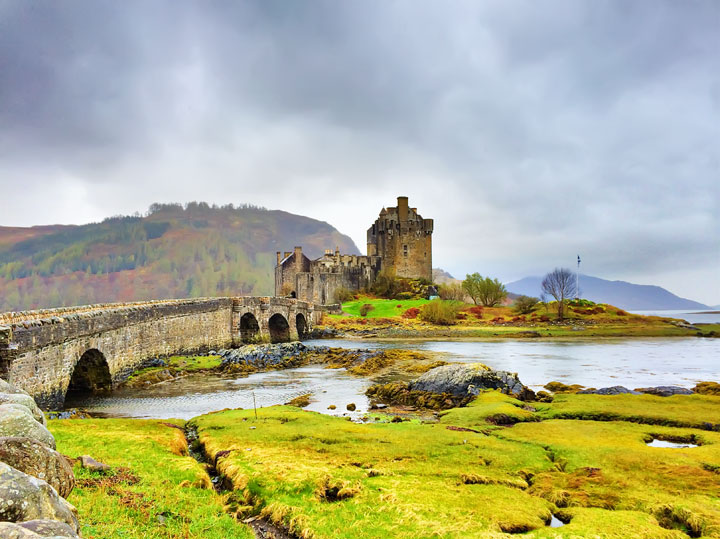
(398, 242)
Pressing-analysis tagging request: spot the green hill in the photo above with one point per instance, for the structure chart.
(173, 251)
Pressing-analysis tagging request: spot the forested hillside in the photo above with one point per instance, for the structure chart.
(172, 252)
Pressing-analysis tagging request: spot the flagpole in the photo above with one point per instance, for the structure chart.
(577, 280)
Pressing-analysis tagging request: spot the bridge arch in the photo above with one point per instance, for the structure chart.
(279, 328)
(301, 325)
(249, 328)
(91, 374)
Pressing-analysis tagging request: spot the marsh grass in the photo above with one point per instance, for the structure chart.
(697, 411)
(154, 490)
(462, 476)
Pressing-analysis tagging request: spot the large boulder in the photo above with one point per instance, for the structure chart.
(24, 400)
(24, 497)
(17, 420)
(33, 458)
(469, 379)
(614, 390)
(665, 391)
(33, 529)
(7, 387)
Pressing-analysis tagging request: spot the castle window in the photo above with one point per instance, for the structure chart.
(405, 250)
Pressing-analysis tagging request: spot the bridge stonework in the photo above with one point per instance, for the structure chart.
(40, 351)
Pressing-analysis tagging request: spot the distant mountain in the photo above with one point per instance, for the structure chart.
(172, 252)
(440, 276)
(636, 297)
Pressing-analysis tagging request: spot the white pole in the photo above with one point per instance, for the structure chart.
(577, 280)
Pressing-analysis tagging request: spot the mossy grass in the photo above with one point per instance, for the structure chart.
(609, 465)
(154, 490)
(400, 479)
(489, 407)
(466, 475)
(176, 365)
(698, 411)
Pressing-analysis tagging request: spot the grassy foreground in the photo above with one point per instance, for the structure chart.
(462, 476)
(155, 489)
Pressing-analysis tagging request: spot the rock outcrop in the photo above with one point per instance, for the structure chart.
(17, 420)
(262, 356)
(23, 497)
(469, 380)
(614, 390)
(32, 529)
(33, 476)
(665, 391)
(33, 458)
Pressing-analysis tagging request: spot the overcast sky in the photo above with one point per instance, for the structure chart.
(531, 131)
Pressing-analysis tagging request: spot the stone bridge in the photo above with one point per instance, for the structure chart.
(52, 352)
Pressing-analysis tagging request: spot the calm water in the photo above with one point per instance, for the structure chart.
(590, 362)
(694, 317)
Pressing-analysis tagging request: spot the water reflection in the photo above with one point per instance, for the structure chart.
(198, 394)
(590, 362)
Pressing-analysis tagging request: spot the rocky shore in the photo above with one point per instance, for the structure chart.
(34, 478)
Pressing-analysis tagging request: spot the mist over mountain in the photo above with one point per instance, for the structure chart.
(174, 251)
(619, 293)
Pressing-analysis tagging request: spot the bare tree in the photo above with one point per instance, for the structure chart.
(560, 284)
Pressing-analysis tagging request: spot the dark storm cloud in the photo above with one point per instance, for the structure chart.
(528, 130)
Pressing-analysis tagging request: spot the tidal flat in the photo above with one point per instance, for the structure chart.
(582, 459)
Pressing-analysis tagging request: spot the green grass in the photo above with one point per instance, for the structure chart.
(382, 308)
(699, 411)
(405, 478)
(326, 477)
(170, 485)
(491, 405)
(608, 465)
(176, 365)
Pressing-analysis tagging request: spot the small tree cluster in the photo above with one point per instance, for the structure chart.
(484, 290)
(525, 304)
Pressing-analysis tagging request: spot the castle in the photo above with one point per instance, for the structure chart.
(399, 243)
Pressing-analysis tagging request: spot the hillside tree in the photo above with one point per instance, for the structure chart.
(560, 284)
(484, 290)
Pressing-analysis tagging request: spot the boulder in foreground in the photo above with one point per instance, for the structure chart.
(464, 380)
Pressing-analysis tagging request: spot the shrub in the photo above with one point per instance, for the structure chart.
(440, 312)
(525, 304)
(404, 295)
(343, 295)
(411, 313)
(477, 311)
(365, 309)
(451, 292)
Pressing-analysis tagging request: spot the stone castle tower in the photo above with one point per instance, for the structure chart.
(403, 239)
(399, 243)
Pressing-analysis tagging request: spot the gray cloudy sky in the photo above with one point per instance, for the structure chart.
(529, 130)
